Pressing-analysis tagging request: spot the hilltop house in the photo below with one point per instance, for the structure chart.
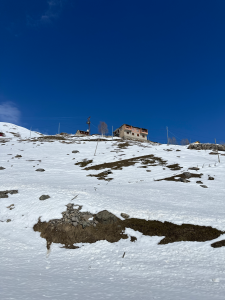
(82, 133)
(131, 133)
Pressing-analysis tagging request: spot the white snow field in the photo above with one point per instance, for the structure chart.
(180, 270)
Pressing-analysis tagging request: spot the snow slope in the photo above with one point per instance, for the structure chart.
(182, 270)
(13, 131)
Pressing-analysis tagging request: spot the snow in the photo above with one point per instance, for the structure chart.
(181, 270)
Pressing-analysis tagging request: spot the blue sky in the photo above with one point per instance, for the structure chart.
(148, 63)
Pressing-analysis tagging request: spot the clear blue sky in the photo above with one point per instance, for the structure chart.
(148, 63)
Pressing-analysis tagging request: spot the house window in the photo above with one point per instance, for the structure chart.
(127, 132)
(132, 133)
(137, 134)
(143, 135)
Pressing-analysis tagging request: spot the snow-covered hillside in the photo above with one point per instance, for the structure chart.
(145, 183)
(13, 131)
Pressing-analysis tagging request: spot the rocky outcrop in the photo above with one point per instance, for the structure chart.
(213, 147)
(4, 194)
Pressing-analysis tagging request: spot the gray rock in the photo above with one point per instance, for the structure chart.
(210, 178)
(44, 197)
(182, 180)
(194, 168)
(40, 170)
(106, 217)
(1, 168)
(84, 224)
(204, 186)
(8, 220)
(187, 174)
(200, 182)
(75, 219)
(75, 223)
(3, 195)
(75, 151)
(125, 216)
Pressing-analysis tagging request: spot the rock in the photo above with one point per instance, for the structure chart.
(75, 219)
(75, 223)
(199, 182)
(194, 168)
(84, 224)
(182, 180)
(3, 195)
(8, 220)
(125, 216)
(105, 217)
(75, 151)
(204, 186)
(18, 156)
(210, 178)
(40, 170)
(1, 168)
(187, 174)
(44, 197)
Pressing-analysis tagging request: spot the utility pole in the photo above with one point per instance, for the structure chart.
(89, 125)
(167, 136)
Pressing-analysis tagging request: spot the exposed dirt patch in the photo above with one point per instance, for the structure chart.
(84, 163)
(68, 235)
(101, 176)
(218, 244)
(179, 177)
(149, 160)
(123, 145)
(175, 167)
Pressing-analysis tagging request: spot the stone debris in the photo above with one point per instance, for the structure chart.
(44, 197)
(2, 168)
(75, 217)
(40, 170)
(75, 151)
(18, 156)
(210, 178)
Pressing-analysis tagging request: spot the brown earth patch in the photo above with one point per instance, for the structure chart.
(68, 235)
(174, 167)
(101, 176)
(218, 244)
(149, 160)
(181, 176)
(84, 163)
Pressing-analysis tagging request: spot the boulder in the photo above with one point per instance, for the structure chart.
(106, 217)
(210, 178)
(75, 151)
(40, 170)
(44, 197)
(187, 174)
(1, 168)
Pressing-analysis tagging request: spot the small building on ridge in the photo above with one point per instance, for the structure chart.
(131, 132)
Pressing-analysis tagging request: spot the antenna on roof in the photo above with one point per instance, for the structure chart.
(89, 125)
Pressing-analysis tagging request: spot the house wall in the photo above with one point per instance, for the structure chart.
(132, 133)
